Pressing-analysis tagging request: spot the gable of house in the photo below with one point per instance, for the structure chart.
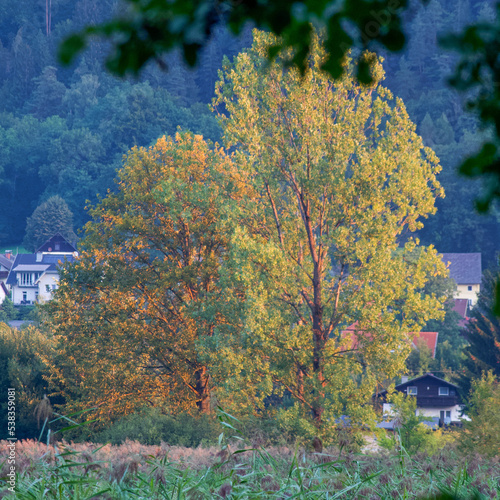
(57, 244)
(430, 391)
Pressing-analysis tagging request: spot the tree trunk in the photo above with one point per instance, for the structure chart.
(319, 344)
(203, 390)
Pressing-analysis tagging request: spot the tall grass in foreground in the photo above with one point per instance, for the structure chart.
(131, 470)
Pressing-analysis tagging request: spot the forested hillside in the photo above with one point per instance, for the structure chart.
(63, 131)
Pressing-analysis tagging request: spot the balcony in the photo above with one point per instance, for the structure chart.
(436, 401)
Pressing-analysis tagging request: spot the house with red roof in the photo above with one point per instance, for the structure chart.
(428, 339)
(417, 339)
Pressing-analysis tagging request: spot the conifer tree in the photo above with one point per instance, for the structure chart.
(483, 334)
(51, 217)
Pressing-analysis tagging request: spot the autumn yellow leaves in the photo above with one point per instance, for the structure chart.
(225, 275)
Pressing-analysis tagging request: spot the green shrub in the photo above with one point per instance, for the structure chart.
(482, 433)
(411, 433)
(150, 426)
(8, 311)
(27, 313)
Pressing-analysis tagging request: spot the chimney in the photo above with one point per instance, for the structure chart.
(404, 379)
(8, 254)
(39, 256)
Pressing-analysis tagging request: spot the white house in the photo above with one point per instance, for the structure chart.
(465, 270)
(34, 277)
(436, 398)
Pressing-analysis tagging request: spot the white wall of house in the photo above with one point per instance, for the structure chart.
(20, 294)
(463, 292)
(47, 283)
(455, 412)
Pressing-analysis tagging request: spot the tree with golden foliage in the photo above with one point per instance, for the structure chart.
(343, 181)
(130, 312)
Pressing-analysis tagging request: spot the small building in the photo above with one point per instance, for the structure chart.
(436, 398)
(6, 262)
(34, 277)
(465, 270)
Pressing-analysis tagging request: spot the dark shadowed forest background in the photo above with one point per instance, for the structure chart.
(64, 131)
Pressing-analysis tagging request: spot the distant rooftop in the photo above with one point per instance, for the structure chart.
(465, 268)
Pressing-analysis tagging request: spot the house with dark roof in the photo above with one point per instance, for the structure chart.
(34, 277)
(465, 270)
(436, 398)
(6, 261)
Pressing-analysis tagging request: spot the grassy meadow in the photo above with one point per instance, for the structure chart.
(134, 471)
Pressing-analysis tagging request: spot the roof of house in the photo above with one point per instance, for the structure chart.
(465, 268)
(31, 267)
(461, 307)
(5, 262)
(404, 385)
(57, 243)
(429, 338)
(4, 288)
(26, 262)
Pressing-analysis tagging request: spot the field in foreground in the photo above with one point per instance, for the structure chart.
(131, 470)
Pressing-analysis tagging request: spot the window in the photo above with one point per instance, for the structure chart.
(444, 391)
(469, 288)
(27, 279)
(412, 391)
(448, 414)
(47, 288)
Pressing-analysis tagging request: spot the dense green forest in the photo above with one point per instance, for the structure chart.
(63, 131)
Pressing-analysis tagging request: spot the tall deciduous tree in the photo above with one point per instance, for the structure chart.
(342, 180)
(130, 312)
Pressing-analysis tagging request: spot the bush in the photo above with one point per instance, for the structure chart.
(482, 433)
(27, 313)
(411, 433)
(149, 426)
(8, 311)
